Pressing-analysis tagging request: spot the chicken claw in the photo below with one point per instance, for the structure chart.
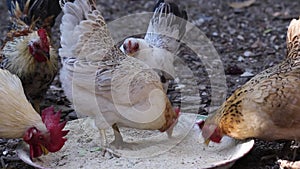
(119, 142)
(105, 146)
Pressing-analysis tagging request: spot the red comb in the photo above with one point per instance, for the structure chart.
(43, 36)
(177, 110)
(200, 123)
(55, 128)
(210, 131)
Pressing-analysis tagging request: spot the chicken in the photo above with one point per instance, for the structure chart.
(27, 50)
(103, 83)
(18, 119)
(37, 13)
(166, 29)
(267, 106)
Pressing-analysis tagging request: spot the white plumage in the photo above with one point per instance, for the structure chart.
(161, 42)
(16, 112)
(102, 82)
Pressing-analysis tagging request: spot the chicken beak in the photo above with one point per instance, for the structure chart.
(44, 149)
(207, 141)
(129, 54)
(47, 55)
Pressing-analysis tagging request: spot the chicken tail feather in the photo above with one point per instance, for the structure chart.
(40, 13)
(169, 22)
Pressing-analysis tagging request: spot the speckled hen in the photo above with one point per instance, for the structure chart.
(27, 50)
(266, 107)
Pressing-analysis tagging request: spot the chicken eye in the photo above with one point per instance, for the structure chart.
(136, 47)
(36, 45)
(41, 138)
(163, 79)
(34, 131)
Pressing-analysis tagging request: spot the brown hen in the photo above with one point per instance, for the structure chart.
(266, 107)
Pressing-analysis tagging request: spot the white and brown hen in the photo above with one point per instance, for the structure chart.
(105, 84)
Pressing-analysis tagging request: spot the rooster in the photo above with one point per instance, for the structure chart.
(18, 119)
(27, 50)
(267, 107)
(105, 84)
(166, 28)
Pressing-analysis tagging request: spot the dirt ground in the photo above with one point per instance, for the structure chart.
(249, 39)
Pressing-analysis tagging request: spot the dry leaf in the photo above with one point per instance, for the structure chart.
(241, 4)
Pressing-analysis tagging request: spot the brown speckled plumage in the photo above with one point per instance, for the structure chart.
(268, 105)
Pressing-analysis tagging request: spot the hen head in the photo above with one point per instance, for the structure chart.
(52, 140)
(130, 46)
(210, 132)
(171, 116)
(39, 48)
(133, 45)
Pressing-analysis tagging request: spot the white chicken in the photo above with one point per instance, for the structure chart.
(105, 84)
(162, 40)
(18, 119)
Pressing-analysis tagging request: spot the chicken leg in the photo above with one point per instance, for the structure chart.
(118, 142)
(105, 146)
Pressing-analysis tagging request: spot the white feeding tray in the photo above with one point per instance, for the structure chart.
(149, 149)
